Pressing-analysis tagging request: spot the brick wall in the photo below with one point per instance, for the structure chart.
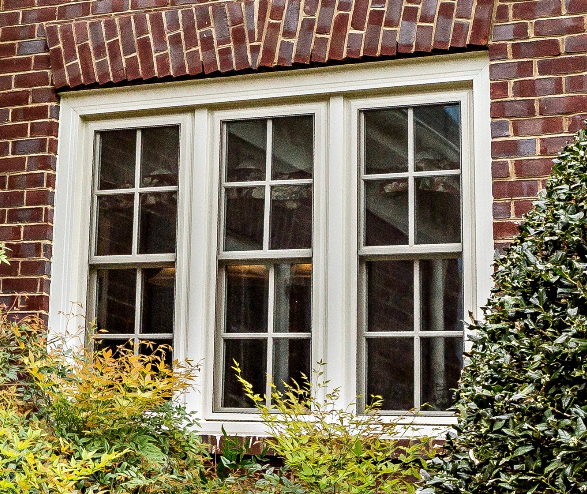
(538, 89)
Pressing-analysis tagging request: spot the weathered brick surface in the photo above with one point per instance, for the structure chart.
(538, 53)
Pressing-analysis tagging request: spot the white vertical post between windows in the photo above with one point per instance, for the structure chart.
(267, 187)
(136, 204)
(270, 330)
(411, 180)
(417, 322)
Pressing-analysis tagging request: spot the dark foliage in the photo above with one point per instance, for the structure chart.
(522, 399)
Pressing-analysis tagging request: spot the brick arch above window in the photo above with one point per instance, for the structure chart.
(244, 35)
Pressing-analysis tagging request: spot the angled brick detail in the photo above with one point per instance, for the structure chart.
(228, 36)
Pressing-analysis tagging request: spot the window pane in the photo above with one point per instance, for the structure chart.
(115, 219)
(390, 372)
(116, 300)
(160, 348)
(441, 282)
(159, 156)
(246, 149)
(102, 344)
(386, 140)
(386, 212)
(293, 147)
(390, 296)
(117, 159)
(293, 298)
(442, 360)
(438, 210)
(438, 137)
(251, 355)
(158, 222)
(291, 217)
(291, 360)
(247, 294)
(158, 300)
(244, 218)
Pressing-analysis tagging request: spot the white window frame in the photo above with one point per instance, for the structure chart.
(198, 106)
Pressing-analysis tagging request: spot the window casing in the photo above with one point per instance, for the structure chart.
(340, 258)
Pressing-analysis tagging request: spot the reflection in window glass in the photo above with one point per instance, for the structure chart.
(115, 222)
(386, 140)
(158, 300)
(118, 149)
(291, 217)
(442, 361)
(159, 156)
(158, 219)
(438, 137)
(244, 215)
(246, 149)
(438, 209)
(441, 285)
(386, 212)
(251, 355)
(116, 300)
(247, 295)
(291, 361)
(293, 147)
(293, 298)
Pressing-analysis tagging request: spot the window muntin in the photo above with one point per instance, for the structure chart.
(132, 254)
(410, 255)
(265, 255)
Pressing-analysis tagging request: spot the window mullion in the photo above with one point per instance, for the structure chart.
(417, 317)
(138, 309)
(411, 191)
(270, 329)
(267, 205)
(136, 205)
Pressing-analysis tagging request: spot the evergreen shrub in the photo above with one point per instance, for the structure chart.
(522, 398)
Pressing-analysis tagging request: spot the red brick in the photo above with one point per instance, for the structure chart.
(97, 40)
(43, 95)
(31, 47)
(354, 45)
(499, 89)
(460, 32)
(285, 54)
(31, 79)
(558, 26)
(240, 49)
(291, 20)
(14, 131)
(270, 44)
(277, 9)
(513, 108)
(172, 21)
(14, 98)
(504, 229)
(35, 267)
(115, 59)
(225, 61)
(515, 188)
(502, 13)
(43, 162)
(481, 23)
(19, 285)
(28, 113)
(562, 65)
(407, 31)
(38, 232)
(510, 32)
(339, 36)
(563, 105)
(576, 6)
(208, 51)
(320, 49)
(11, 198)
(324, 21)
(73, 10)
(109, 6)
(500, 169)
(145, 53)
(498, 51)
(537, 87)
(42, 62)
(576, 44)
(502, 210)
(373, 33)
(359, 18)
(388, 42)
(511, 70)
(11, 163)
(44, 128)
(17, 33)
(537, 126)
(29, 146)
(25, 215)
(393, 13)
(147, 4)
(500, 128)
(443, 28)
(428, 11)
(424, 34)
(535, 9)
(305, 39)
(513, 148)
(15, 64)
(534, 167)
(236, 14)
(536, 48)
(576, 122)
(553, 145)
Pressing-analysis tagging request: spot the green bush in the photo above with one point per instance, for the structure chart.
(522, 398)
(327, 449)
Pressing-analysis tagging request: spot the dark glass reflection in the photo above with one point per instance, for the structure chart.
(115, 221)
(386, 140)
(159, 156)
(162, 349)
(158, 219)
(291, 217)
(291, 361)
(246, 150)
(293, 147)
(158, 300)
(437, 137)
(390, 296)
(442, 361)
(390, 372)
(116, 346)
(386, 212)
(247, 294)
(117, 159)
(244, 218)
(251, 355)
(441, 299)
(116, 300)
(293, 298)
(438, 209)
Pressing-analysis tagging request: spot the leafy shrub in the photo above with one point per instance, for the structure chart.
(522, 398)
(328, 449)
(108, 423)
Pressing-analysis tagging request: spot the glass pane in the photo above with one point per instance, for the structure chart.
(159, 156)
(293, 298)
(386, 140)
(251, 355)
(114, 345)
(441, 282)
(438, 137)
(438, 210)
(158, 300)
(244, 218)
(246, 149)
(116, 300)
(390, 296)
(115, 217)
(158, 222)
(117, 159)
(161, 348)
(247, 294)
(293, 147)
(291, 217)
(390, 372)
(386, 212)
(442, 361)
(291, 361)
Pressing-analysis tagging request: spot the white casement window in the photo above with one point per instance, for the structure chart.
(338, 215)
